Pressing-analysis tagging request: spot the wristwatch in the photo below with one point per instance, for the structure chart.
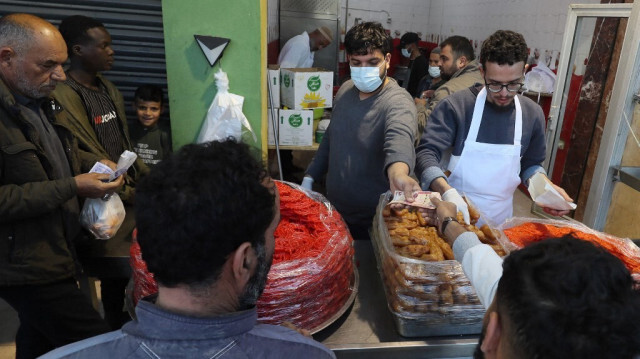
(445, 222)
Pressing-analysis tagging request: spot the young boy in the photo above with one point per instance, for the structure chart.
(151, 141)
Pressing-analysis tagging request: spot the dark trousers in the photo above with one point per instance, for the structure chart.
(51, 315)
(359, 231)
(112, 292)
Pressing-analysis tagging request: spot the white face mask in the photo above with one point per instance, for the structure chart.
(405, 53)
(434, 71)
(367, 79)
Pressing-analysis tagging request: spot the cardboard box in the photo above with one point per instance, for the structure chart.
(295, 127)
(273, 84)
(271, 114)
(306, 88)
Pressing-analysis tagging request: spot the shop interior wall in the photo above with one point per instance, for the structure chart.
(541, 22)
(191, 78)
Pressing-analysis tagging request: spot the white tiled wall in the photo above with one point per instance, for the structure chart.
(542, 22)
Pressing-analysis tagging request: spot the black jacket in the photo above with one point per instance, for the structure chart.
(34, 245)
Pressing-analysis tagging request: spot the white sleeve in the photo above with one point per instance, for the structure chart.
(480, 263)
(294, 53)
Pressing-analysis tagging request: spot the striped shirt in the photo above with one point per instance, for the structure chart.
(102, 116)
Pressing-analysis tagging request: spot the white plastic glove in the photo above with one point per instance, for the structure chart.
(453, 196)
(307, 183)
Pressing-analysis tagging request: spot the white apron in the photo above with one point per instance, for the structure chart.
(488, 174)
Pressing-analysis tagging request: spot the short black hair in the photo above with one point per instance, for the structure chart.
(74, 30)
(568, 298)
(367, 37)
(504, 47)
(197, 207)
(149, 93)
(460, 46)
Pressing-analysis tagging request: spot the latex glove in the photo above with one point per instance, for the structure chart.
(307, 183)
(453, 196)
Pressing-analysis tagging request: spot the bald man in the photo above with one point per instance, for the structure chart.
(300, 50)
(40, 182)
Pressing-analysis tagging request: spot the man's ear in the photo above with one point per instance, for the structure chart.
(463, 61)
(76, 49)
(6, 55)
(492, 335)
(243, 263)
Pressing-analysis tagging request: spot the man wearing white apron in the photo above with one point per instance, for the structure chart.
(496, 137)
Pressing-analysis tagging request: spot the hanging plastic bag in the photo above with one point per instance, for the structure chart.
(224, 118)
(103, 217)
(540, 79)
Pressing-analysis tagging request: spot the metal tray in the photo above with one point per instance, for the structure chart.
(461, 319)
(353, 286)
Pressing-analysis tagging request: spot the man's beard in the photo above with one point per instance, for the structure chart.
(257, 282)
(25, 88)
(447, 74)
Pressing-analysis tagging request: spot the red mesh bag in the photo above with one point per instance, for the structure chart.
(311, 277)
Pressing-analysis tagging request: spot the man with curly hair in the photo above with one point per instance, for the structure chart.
(495, 136)
(210, 253)
(558, 298)
(369, 145)
(95, 113)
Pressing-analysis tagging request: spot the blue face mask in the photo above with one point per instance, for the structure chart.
(405, 53)
(434, 71)
(367, 79)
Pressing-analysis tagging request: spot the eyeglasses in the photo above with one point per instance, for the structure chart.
(497, 87)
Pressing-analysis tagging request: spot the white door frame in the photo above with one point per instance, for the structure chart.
(627, 83)
(567, 58)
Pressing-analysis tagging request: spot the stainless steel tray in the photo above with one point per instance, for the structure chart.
(453, 319)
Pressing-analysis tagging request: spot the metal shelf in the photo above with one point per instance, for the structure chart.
(629, 176)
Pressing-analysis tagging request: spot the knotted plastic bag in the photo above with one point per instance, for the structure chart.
(103, 217)
(224, 118)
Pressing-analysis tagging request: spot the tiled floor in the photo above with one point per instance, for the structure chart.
(9, 318)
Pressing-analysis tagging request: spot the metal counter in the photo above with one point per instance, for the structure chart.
(367, 329)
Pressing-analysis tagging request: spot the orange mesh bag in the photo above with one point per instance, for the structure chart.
(523, 231)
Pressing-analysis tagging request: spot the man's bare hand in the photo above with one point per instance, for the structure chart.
(399, 180)
(91, 185)
(109, 163)
(563, 193)
(420, 101)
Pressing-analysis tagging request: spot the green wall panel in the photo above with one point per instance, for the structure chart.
(190, 77)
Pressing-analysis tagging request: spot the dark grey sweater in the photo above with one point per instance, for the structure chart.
(449, 124)
(363, 139)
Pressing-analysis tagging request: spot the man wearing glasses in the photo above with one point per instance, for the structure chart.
(495, 136)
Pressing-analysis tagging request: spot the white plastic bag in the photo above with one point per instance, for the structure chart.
(224, 118)
(101, 217)
(540, 79)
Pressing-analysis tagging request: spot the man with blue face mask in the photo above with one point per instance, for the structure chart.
(369, 144)
(427, 87)
(417, 62)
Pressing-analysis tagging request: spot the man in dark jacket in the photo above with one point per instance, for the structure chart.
(40, 182)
